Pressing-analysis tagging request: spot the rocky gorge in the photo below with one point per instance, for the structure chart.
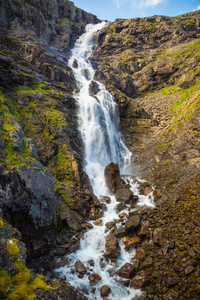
(151, 67)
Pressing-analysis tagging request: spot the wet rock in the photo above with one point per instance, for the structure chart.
(120, 206)
(105, 199)
(75, 64)
(98, 222)
(140, 280)
(110, 225)
(120, 232)
(80, 268)
(96, 202)
(86, 73)
(125, 195)
(126, 271)
(91, 262)
(112, 177)
(112, 246)
(132, 222)
(105, 291)
(94, 88)
(94, 277)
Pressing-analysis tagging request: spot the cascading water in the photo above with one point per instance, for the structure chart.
(98, 124)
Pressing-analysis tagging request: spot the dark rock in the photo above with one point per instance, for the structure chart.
(105, 291)
(126, 271)
(110, 225)
(189, 270)
(105, 199)
(132, 222)
(71, 219)
(94, 277)
(112, 177)
(86, 73)
(120, 206)
(80, 268)
(120, 232)
(140, 280)
(112, 247)
(143, 229)
(124, 194)
(94, 88)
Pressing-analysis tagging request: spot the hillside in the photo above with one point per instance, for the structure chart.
(152, 67)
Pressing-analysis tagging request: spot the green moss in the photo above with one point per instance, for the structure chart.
(5, 282)
(21, 285)
(12, 247)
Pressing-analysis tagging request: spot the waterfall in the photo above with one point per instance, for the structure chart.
(98, 125)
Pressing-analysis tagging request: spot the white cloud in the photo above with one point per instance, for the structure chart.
(142, 3)
(198, 7)
(152, 2)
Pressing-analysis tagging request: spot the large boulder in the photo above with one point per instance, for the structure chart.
(126, 271)
(124, 194)
(112, 247)
(140, 280)
(112, 177)
(132, 222)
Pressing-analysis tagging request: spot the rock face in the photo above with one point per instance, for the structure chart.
(40, 147)
(56, 22)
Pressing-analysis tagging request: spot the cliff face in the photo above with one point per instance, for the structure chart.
(152, 68)
(51, 22)
(43, 188)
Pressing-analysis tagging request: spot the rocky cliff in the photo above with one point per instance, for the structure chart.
(44, 192)
(152, 66)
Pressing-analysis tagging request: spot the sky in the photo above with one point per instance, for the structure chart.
(126, 9)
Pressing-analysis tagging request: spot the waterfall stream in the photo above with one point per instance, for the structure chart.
(98, 125)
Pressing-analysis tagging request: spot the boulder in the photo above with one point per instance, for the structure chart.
(140, 280)
(71, 219)
(120, 232)
(132, 222)
(112, 246)
(94, 88)
(105, 199)
(126, 271)
(105, 291)
(110, 225)
(94, 277)
(80, 268)
(112, 177)
(130, 242)
(124, 194)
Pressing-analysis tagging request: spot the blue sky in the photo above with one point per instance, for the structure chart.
(112, 9)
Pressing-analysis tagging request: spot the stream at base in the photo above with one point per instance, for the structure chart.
(98, 125)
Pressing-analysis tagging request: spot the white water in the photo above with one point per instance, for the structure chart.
(98, 124)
